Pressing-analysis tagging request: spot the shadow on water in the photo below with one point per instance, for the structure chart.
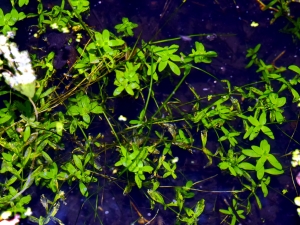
(230, 23)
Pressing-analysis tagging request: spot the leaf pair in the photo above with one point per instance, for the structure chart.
(262, 152)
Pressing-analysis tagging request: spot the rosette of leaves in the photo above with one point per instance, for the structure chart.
(8, 20)
(82, 106)
(127, 80)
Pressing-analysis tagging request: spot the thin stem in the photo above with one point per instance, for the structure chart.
(35, 109)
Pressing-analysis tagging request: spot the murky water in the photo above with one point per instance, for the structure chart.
(229, 33)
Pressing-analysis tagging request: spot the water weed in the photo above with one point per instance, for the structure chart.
(47, 120)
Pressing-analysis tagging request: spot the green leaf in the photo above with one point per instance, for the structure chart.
(294, 68)
(105, 35)
(264, 145)
(260, 162)
(7, 156)
(147, 169)
(199, 208)
(246, 166)
(48, 92)
(84, 102)
(254, 133)
(8, 167)
(156, 196)
(264, 189)
(232, 171)
(223, 165)
(118, 91)
(162, 65)
(97, 109)
(47, 157)
(274, 162)
(26, 134)
(129, 90)
(25, 200)
(1, 18)
(279, 117)
(241, 158)
(69, 167)
(14, 16)
(87, 158)
(249, 131)
(4, 118)
(258, 201)
(274, 171)
(263, 118)
(83, 189)
(253, 121)
(23, 2)
(257, 150)
(267, 131)
(174, 68)
(78, 162)
(295, 95)
(22, 15)
(74, 110)
(9, 182)
(36, 171)
(281, 102)
(73, 126)
(86, 118)
(260, 173)
(59, 127)
(238, 170)
(138, 180)
(26, 156)
(224, 211)
(250, 153)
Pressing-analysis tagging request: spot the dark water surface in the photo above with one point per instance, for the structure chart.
(230, 23)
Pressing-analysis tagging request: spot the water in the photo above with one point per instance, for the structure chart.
(231, 23)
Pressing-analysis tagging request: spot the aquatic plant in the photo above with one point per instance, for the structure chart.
(144, 153)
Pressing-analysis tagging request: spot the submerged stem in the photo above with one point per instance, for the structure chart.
(35, 109)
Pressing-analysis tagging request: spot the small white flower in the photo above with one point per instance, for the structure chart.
(11, 34)
(65, 30)
(3, 40)
(61, 193)
(20, 63)
(296, 157)
(122, 118)
(5, 215)
(14, 50)
(298, 211)
(54, 26)
(297, 201)
(254, 24)
(28, 212)
(175, 160)
(296, 152)
(294, 163)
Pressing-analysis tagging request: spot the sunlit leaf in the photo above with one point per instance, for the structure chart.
(78, 162)
(274, 162)
(246, 166)
(267, 131)
(274, 171)
(83, 189)
(174, 68)
(156, 196)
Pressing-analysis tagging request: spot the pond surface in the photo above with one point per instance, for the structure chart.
(226, 26)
